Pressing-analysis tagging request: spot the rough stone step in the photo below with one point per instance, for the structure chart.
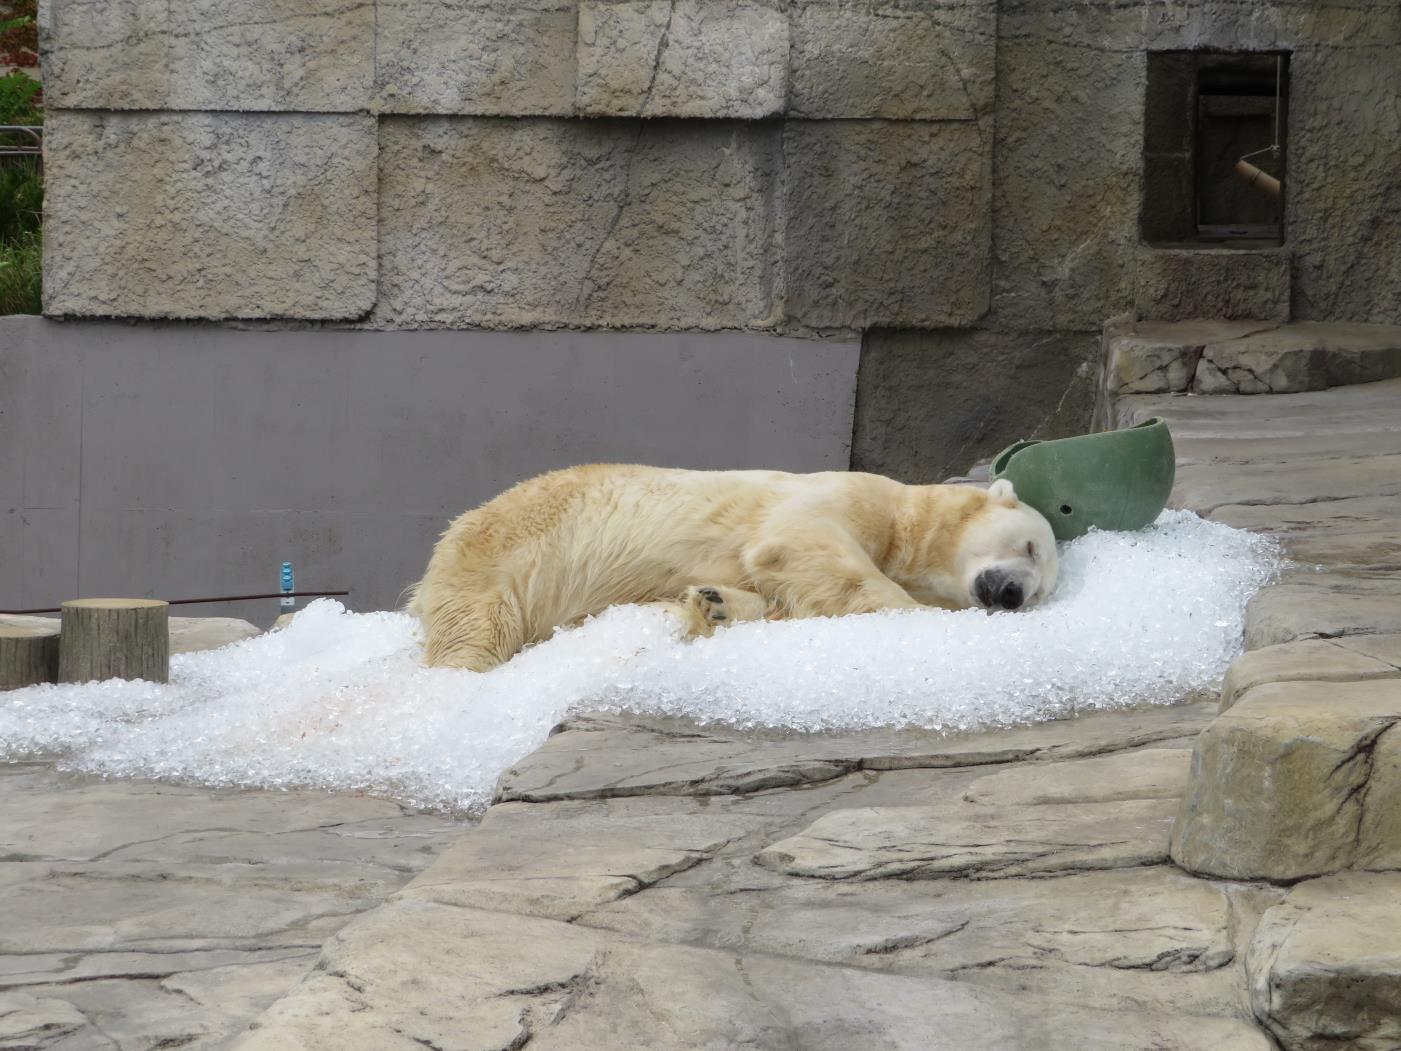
(1236, 452)
(1322, 605)
(1296, 779)
(1151, 939)
(1365, 408)
(1349, 659)
(1243, 357)
(1205, 487)
(1344, 515)
(1301, 775)
(1325, 966)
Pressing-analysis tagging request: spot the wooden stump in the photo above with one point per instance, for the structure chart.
(28, 655)
(115, 638)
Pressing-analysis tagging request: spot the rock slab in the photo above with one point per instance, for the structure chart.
(931, 842)
(1296, 779)
(1325, 965)
(415, 974)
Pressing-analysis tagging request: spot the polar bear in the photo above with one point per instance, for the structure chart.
(716, 547)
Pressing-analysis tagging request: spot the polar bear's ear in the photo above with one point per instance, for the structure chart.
(1002, 491)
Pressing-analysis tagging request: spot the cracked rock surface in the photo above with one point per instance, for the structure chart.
(140, 915)
(628, 890)
(629, 906)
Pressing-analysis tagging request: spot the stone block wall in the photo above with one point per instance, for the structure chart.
(1071, 81)
(810, 167)
(963, 178)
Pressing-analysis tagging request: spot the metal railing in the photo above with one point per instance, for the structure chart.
(34, 147)
(194, 601)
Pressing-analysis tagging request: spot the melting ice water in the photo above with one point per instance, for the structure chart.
(341, 700)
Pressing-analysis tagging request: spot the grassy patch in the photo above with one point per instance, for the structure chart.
(21, 191)
(21, 274)
(21, 200)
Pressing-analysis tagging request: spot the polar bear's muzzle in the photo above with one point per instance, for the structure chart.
(996, 588)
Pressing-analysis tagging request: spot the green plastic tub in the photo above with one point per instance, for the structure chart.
(1117, 480)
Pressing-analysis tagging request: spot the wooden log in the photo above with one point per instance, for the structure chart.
(28, 654)
(115, 638)
(1257, 178)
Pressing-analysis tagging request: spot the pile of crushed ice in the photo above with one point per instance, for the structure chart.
(342, 701)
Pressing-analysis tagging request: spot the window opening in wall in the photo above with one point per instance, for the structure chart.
(1206, 113)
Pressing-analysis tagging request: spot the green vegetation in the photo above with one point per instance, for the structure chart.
(21, 197)
(21, 200)
(21, 273)
(19, 34)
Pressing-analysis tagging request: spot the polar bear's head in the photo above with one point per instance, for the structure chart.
(1007, 554)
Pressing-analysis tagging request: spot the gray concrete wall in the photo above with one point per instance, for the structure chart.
(175, 461)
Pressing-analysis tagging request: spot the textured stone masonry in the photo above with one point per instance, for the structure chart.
(997, 184)
(894, 60)
(272, 55)
(189, 215)
(682, 58)
(1182, 284)
(601, 223)
(712, 59)
(476, 57)
(885, 224)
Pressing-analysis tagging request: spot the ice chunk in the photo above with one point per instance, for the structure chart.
(341, 700)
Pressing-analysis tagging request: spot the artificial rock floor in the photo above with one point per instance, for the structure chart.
(654, 885)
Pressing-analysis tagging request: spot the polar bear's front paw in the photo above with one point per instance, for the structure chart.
(711, 607)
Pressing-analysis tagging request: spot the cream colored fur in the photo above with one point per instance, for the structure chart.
(716, 547)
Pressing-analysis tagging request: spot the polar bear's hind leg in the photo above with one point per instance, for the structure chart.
(477, 633)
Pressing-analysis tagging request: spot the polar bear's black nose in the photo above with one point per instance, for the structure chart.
(1011, 595)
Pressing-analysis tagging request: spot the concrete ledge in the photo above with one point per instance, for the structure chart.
(1248, 357)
